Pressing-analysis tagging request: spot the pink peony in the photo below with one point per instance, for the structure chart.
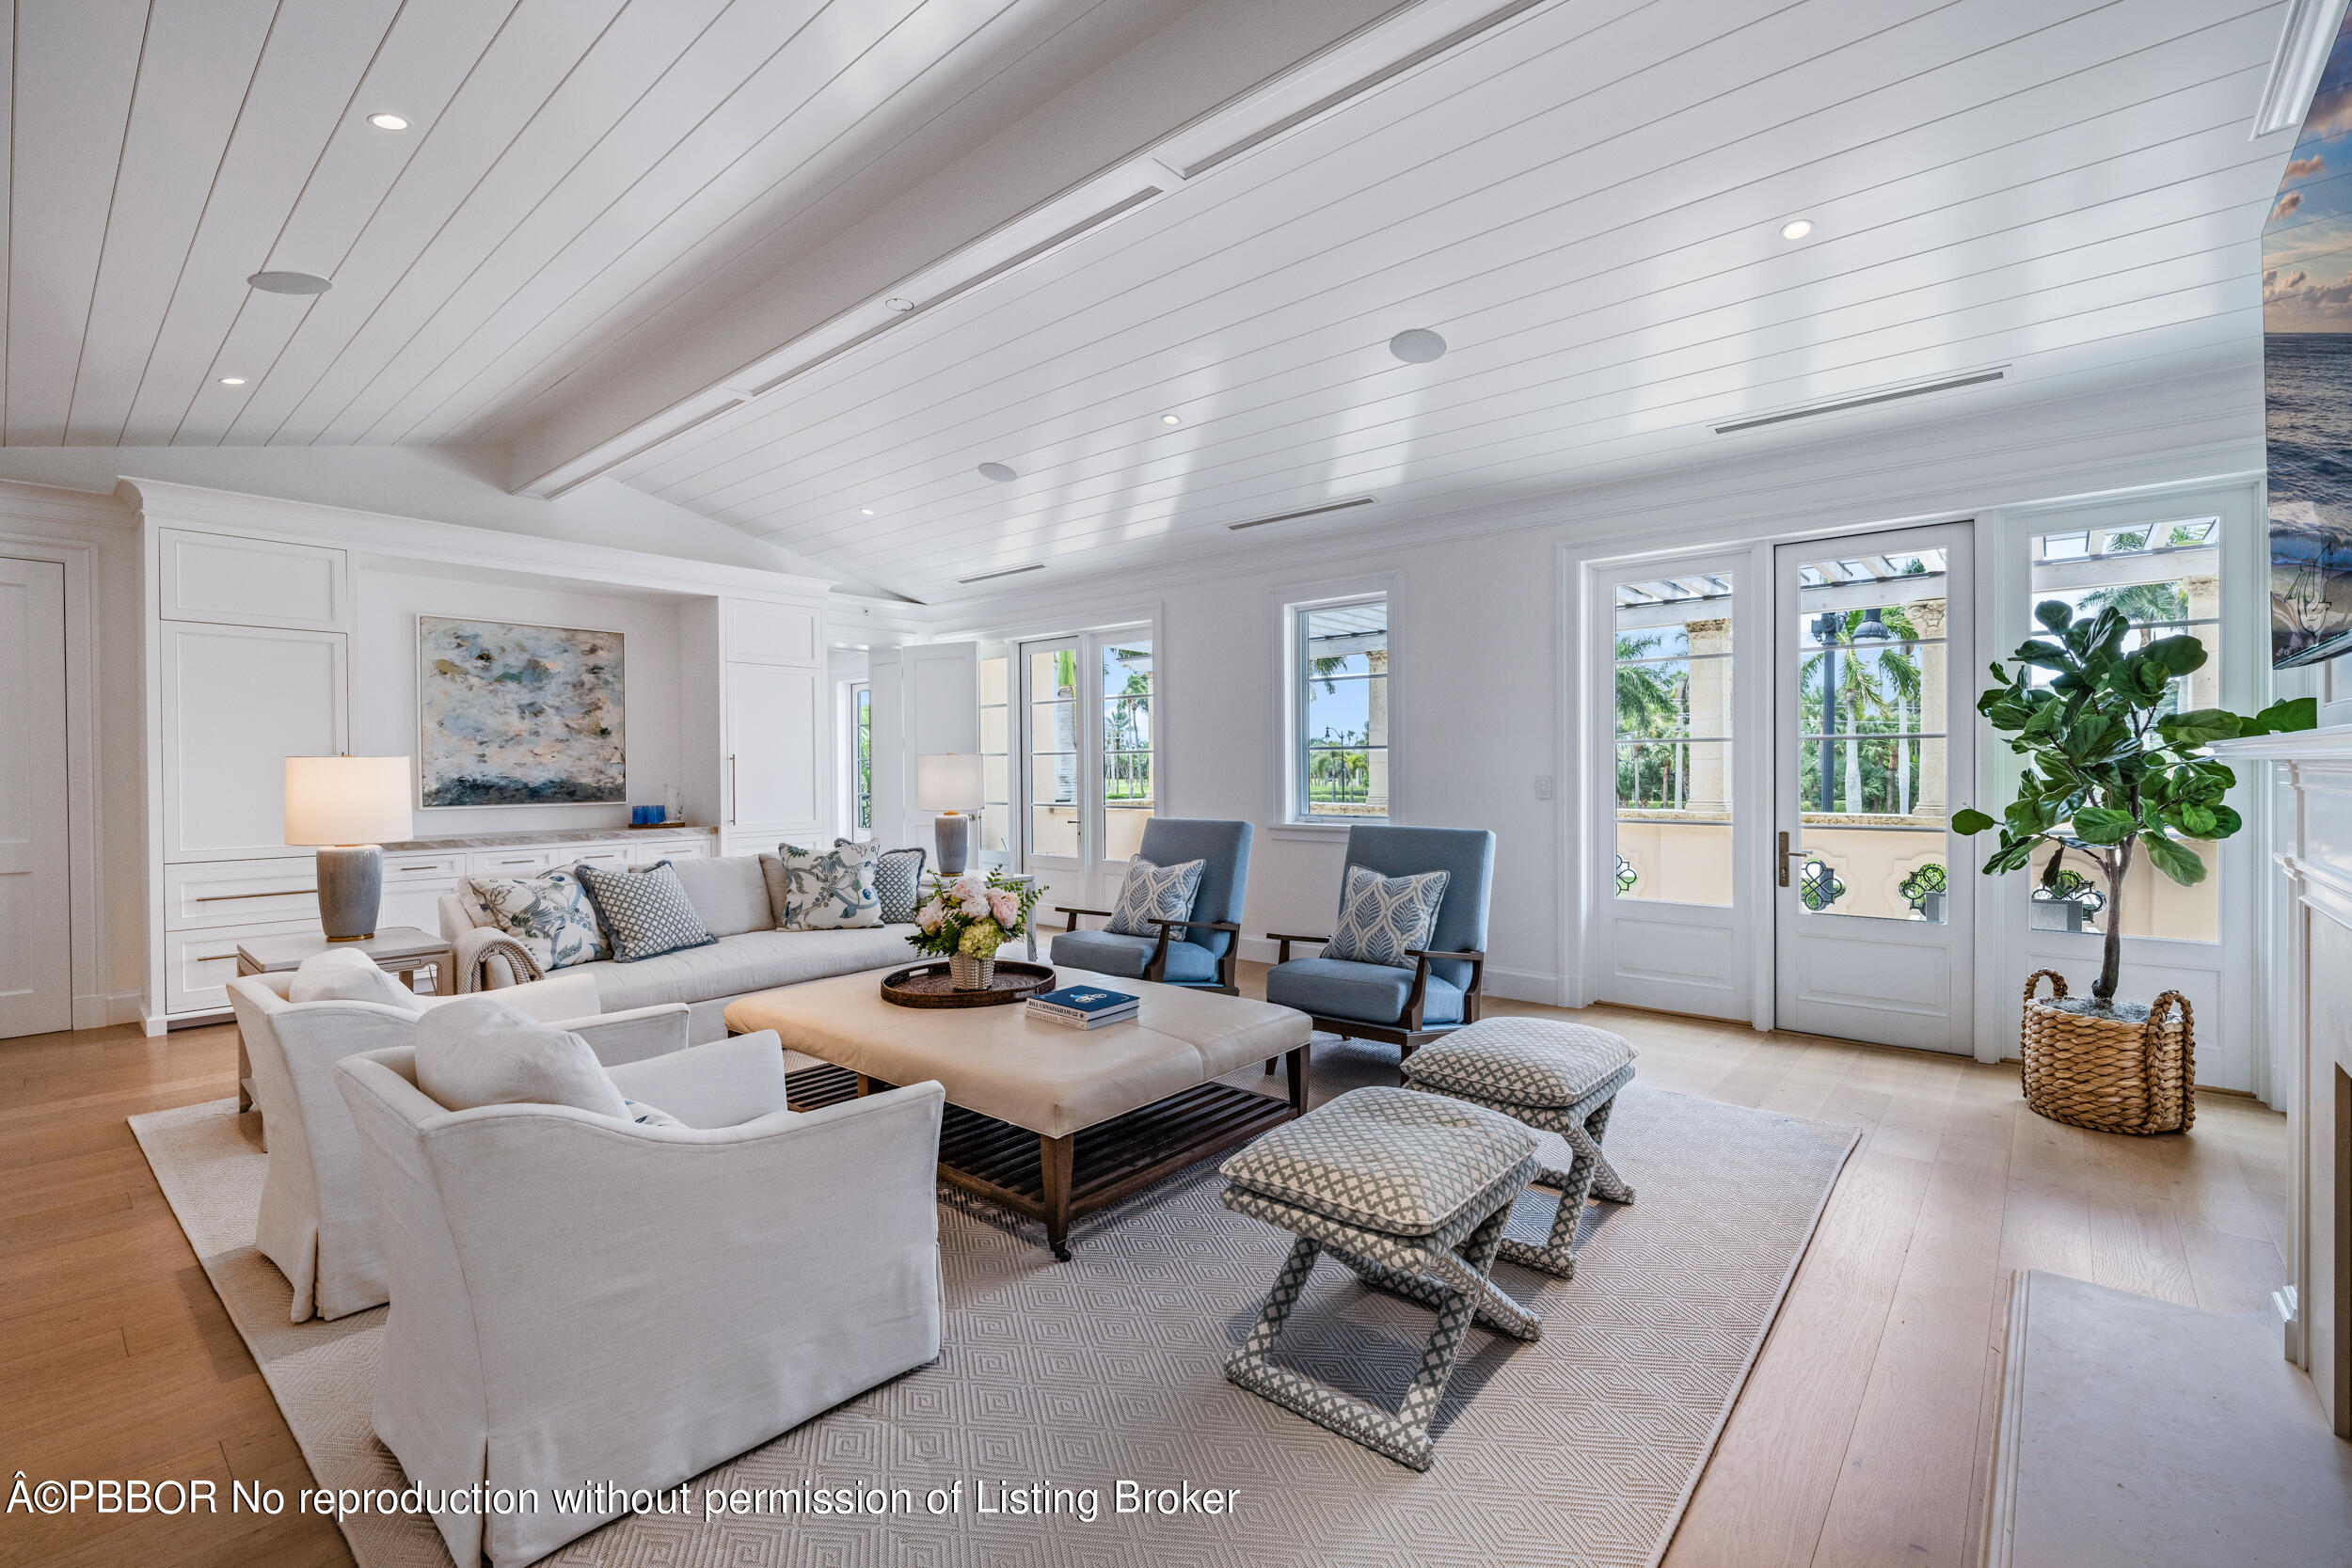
(1005, 906)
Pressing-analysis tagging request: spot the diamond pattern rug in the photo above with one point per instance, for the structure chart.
(1580, 1448)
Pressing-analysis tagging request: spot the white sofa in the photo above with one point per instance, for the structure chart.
(577, 1298)
(318, 1222)
(750, 955)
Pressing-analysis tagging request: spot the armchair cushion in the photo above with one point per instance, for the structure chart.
(476, 1052)
(725, 1082)
(1109, 952)
(1149, 889)
(823, 889)
(1382, 919)
(1370, 993)
(347, 974)
(549, 916)
(644, 911)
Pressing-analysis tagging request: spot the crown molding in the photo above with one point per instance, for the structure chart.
(2304, 43)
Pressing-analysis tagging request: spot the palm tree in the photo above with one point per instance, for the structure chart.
(1651, 704)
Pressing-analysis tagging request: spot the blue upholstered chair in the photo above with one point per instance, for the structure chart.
(1401, 1006)
(1199, 952)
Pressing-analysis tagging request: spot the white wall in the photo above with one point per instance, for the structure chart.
(384, 684)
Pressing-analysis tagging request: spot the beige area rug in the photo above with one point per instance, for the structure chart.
(1580, 1448)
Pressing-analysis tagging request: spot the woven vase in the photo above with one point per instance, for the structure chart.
(966, 972)
(2110, 1074)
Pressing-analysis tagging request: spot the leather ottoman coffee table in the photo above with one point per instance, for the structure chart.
(1050, 1122)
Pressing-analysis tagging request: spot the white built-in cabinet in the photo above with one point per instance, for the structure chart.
(774, 738)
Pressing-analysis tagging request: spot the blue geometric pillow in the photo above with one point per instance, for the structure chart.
(646, 912)
(1148, 890)
(1383, 918)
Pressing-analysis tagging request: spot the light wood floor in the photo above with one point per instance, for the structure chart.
(1862, 1438)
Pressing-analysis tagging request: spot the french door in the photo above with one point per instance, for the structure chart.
(1086, 747)
(1874, 731)
(36, 979)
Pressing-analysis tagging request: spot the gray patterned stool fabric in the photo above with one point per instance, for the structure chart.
(1411, 1193)
(1559, 1077)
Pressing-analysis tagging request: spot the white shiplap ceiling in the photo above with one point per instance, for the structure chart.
(1584, 199)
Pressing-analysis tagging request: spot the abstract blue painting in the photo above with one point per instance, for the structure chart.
(519, 716)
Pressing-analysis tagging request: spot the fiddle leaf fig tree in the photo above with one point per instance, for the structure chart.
(2107, 774)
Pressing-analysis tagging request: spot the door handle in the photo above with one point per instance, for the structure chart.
(730, 789)
(1784, 860)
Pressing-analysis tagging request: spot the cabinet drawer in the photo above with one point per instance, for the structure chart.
(436, 864)
(521, 861)
(199, 965)
(199, 895)
(415, 902)
(601, 854)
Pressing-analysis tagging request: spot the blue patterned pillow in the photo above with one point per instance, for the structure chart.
(548, 914)
(898, 882)
(645, 911)
(1383, 918)
(1166, 890)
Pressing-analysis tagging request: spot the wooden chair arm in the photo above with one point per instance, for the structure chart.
(1467, 955)
(1198, 925)
(1285, 940)
(1073, 915)
(1416, 999)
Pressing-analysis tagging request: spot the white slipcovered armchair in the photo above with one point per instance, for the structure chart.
(577, 1297)
(318, 1221)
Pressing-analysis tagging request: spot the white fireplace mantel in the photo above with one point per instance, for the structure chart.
(2310, 980)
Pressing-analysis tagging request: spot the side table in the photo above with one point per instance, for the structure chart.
(400, 950)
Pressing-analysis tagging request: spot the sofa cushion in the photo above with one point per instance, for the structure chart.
(756, 960)
(1383, 919)
(823, 889)
(728, 891)
(346, 975)
(476, 1051)
(898, 882)
(549, 915)
(1109, 952)
(1383, 1159)
(644, 911)
(1374, 994)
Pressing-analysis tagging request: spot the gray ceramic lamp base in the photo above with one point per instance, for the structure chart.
(351, 888)
(954, 832)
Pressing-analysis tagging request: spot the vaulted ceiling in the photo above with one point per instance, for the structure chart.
(804, 267)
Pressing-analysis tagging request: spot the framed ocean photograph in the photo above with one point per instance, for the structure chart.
(2307, 378)
(512, 715)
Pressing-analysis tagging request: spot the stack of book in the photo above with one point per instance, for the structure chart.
(1082, 1006)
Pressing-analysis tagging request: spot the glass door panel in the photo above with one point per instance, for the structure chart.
(1673, 739)
(1056, 829)
(1128, 799)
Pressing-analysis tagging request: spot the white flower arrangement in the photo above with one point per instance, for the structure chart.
(972, 914)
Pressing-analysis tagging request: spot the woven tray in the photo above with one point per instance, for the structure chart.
(928, 986)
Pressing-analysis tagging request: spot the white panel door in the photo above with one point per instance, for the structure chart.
(238, 700)
(774, 747)
(36, 965)
(1874, 728)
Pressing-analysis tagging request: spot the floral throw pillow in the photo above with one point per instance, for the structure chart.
(1382, 919)
(549, 915)
(827, 890)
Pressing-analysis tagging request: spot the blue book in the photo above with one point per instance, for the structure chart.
(1084, 1001)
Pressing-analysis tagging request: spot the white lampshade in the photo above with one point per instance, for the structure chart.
(950, 782)
(346, 799)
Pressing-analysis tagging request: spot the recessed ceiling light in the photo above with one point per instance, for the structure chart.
(387, 122)
(1796, 229)
(998, 472)
(289, 283)
(1171, 418)
(232, 381)
(865, 511)
(898, 302)
(1417, 345)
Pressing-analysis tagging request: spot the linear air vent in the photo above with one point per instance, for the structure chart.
(1362, 85)
(1007, 572)
(1303, 512)
(1838, 405)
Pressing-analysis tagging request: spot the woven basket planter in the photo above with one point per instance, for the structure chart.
(970, 973)
(2110, 1074)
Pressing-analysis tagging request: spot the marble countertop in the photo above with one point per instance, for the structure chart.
(561, 835)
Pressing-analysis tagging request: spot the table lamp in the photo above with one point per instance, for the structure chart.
(345, 807)
(950, 783)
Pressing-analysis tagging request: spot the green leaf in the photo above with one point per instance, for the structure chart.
(2052, 871)
(2284, 718)
(2226, 821)
(1970, 820)
(2054, 614)
(2199, 821)
(2174, 860)
(2199, 726)
(2048, 656)
(2179, 654)
(2013, 855)
(2101, 825)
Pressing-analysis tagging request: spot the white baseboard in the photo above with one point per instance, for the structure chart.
(153, 1023)
(101, 1011)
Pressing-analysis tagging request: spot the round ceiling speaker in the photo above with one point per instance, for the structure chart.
(290, 283)
(1417, 345)
(998, 472)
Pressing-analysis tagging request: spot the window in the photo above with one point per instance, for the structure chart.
(861, 758)
(1340, 767)
(2166, 580)
(1673, 738)
(1127, 792)
(995, 849)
